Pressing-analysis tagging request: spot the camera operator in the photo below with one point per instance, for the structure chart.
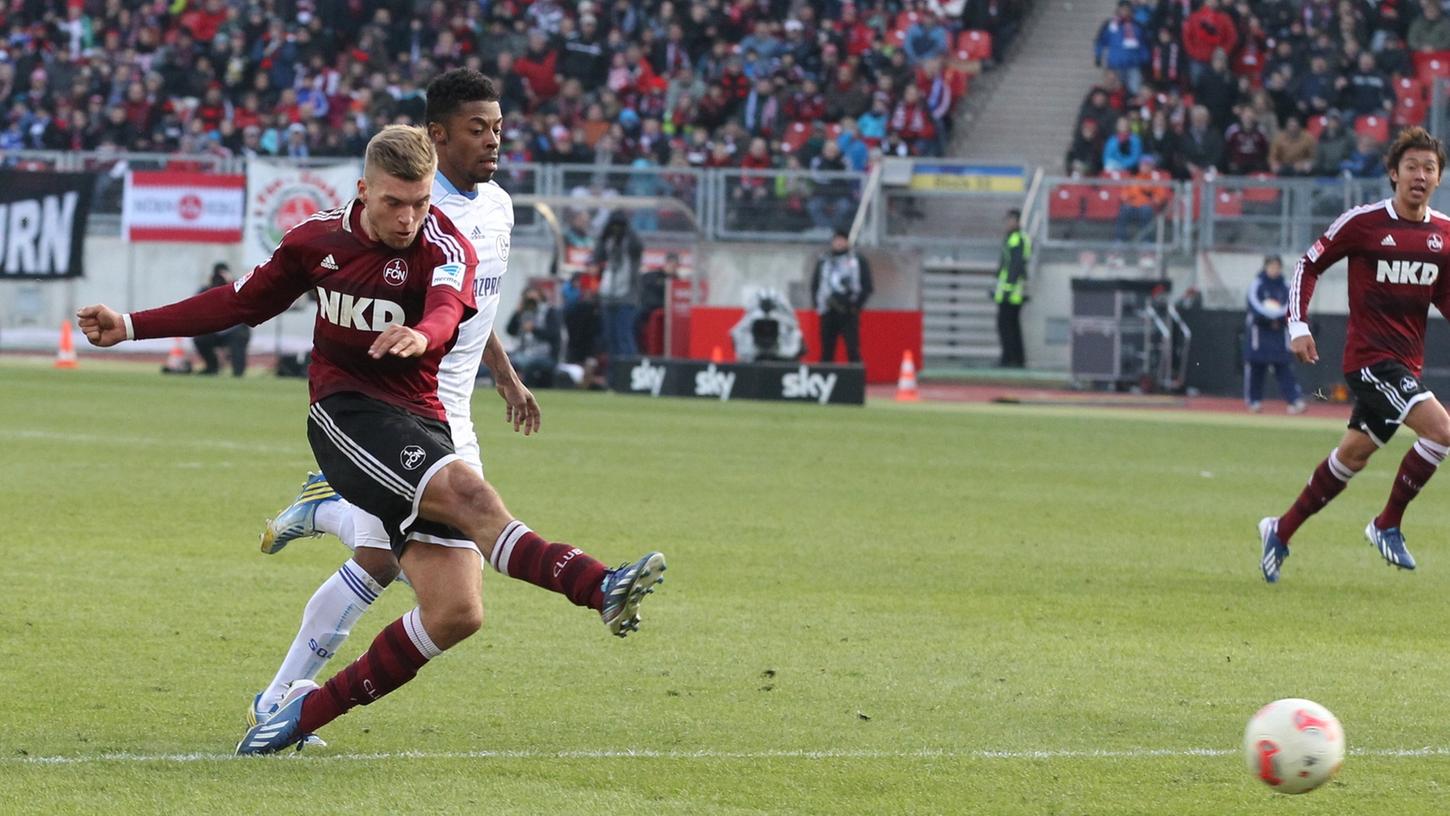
(840, 286)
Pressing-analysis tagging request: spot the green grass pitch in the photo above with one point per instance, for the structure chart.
(964, 609)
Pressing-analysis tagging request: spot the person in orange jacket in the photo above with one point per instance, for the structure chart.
(1141, 202)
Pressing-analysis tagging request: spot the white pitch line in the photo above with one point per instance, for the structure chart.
(1138, 753)
(149, 441)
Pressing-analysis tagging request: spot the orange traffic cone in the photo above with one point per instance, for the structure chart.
(65, 355)
(176, 359)
(906, 383)
(717, 356)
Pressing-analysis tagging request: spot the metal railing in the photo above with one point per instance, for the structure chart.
(786, 205)
(792, 205)
(1224, 213)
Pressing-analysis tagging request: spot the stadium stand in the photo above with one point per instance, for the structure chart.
(609, 82)
(1252, 66)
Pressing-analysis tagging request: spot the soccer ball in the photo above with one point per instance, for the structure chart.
(1294, 745)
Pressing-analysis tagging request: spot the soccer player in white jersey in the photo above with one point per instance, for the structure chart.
(465, 122)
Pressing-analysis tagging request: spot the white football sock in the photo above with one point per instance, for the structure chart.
(326, 623)
(336, 517)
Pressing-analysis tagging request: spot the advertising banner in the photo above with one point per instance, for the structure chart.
(280, 196)
(788, 382)
(43, 223)
(192, 207)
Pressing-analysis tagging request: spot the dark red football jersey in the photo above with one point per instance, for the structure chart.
(1395, 274)
(362, 287)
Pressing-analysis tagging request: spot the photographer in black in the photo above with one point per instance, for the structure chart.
(235, 339)
(840, 287)
(535, 324)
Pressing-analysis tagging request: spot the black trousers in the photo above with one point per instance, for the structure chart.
(840, 324)
(581, 322)
(235, 339)
(1009, 335)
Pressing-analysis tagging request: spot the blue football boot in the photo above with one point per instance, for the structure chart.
(299, 519)
(1391, 544)
(257, 712)
(1275, 551)
(279, 731)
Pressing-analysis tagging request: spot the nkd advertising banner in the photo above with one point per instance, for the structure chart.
(790, 382)
(193, 207)
(43, 223)
(279, 197)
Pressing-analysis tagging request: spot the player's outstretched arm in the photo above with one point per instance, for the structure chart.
(520, 408)
(103, 326)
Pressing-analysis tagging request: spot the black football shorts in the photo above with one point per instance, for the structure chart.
(380, 458)
(1384, 393)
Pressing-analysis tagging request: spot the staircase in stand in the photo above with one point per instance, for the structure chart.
(959, 318)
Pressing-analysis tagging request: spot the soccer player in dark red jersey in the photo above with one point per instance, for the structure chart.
(394, 277)
(1397, 253)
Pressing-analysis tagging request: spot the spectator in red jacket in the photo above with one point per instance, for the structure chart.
(860, 38)
(204, 22)
(539, 67)
(1204, 31)
(912, 122)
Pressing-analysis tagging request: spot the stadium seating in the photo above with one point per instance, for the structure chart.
(796, 135)
(1068, 202)
(1228, 204)
(1261, 199)
(1430, 65)
(169, 92)
(974, 45)
(1103, 204)
(1408, 111)
(1375, 127)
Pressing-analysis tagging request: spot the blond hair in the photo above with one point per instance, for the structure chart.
(402, 151)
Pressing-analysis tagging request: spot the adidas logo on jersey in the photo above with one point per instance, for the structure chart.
(477, 232)
(1388, 241)
(329, 263)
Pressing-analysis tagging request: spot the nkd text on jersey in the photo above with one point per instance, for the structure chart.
(364, 313)
(1422, 273)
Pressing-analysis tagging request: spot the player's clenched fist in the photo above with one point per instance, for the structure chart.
(101, 325)
(399, 341)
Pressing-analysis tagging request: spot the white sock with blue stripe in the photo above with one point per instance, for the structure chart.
(326, 622)
(335, 517)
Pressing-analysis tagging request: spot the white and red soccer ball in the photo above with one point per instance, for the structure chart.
(1293, 745)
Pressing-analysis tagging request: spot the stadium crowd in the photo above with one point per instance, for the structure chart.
(711, 83)
(1272, 87)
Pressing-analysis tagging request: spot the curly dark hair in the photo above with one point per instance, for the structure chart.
(1414, 138)
(449, 90)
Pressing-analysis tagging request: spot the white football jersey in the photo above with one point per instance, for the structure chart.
(487, 219)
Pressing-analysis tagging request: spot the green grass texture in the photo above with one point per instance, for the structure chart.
(896, 609)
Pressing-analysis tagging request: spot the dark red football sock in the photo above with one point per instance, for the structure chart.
(1328, 481)
(1416, 469)
(391, 661)
(563, 568)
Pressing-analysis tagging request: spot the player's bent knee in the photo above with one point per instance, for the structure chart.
(1440, 436)
(453, 623)
(380, 564)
